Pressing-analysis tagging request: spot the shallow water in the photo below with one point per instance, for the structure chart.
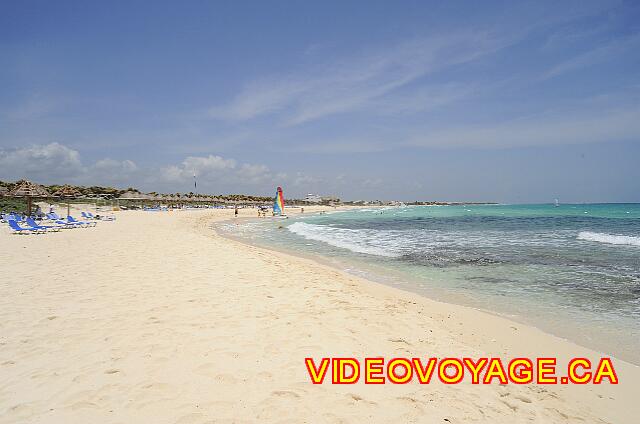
(572, 270)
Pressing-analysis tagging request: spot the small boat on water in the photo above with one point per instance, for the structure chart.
(557, 203)
(278, 204)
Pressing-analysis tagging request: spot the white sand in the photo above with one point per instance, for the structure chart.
(155, 319)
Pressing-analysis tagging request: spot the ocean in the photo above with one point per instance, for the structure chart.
(571, 270)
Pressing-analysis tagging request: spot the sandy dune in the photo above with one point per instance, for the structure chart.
(156, 319)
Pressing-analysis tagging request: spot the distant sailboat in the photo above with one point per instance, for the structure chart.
(557, 203)
(278, 204)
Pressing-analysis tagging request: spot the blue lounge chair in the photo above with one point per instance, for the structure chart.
(66, 221)
(89, 215)
(13, 217)
(31, 223)
(66, 224)
(88, 223)
(17, 229)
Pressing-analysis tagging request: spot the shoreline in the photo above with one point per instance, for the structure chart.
(525, 345)
(386, 278)
(177, 324)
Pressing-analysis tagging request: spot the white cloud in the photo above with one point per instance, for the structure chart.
(113, 172)
(55, 163)
(48, 161)
(201, 166)
(114, 166)
(254, 173)
(215, 171)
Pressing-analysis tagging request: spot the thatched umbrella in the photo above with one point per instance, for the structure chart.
(129, 195)
(29, 190)
(67, 192)
(155, 198)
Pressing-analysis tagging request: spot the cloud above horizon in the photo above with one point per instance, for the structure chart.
(55, 163)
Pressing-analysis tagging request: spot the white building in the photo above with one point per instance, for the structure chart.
(313, 198)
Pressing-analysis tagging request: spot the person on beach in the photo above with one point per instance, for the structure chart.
(236, 212)
(38, 212)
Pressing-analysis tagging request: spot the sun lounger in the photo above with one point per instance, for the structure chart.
(89, 215)
(31, 223)
(17, 229)
(13, 217)
(57, 217)
(73, 220)
(66, 224)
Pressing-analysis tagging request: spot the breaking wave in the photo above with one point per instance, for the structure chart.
(609, 238)
(359, 241)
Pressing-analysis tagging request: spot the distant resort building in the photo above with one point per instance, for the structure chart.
(317, 199)
(313, 198)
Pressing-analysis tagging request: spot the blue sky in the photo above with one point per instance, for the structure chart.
(498, 101)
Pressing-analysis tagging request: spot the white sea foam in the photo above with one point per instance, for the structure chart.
(359, 241)
(609, 238)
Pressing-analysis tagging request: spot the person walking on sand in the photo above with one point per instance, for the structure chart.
(236, 212)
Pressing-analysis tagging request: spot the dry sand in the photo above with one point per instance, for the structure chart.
(156, 319)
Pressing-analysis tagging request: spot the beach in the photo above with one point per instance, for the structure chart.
(157, 318)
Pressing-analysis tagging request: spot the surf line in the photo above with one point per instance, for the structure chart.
(519, 370)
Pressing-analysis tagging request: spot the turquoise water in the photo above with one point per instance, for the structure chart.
(571, 270)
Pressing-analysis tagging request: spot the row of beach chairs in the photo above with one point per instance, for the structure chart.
(53, 223)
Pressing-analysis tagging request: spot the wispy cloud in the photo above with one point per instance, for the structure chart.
(594, 56)
(424, 98)
(350, 84)
(34, 107)
(544, 130)
(609, 117)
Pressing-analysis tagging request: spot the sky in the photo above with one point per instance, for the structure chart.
(405, 100)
